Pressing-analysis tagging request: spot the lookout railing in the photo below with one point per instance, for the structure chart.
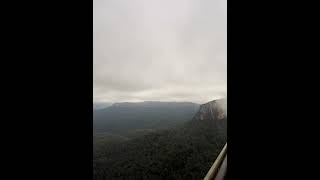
(218, 170)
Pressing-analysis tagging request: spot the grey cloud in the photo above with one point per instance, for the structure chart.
(159, 50)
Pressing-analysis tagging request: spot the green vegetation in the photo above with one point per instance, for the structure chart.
(184, 152)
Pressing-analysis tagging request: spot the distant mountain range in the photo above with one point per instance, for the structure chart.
(130, 118)
(101, 105)
(185, 151)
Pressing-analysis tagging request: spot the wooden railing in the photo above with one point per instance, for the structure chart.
(218, 169)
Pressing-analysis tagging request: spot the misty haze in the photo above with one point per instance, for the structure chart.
(159, 89)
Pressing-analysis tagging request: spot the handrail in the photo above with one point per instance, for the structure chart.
(216, 165)
(222, 172)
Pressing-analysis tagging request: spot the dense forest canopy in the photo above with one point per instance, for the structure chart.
(186, 151)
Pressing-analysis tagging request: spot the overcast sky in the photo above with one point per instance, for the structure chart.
(159, 50)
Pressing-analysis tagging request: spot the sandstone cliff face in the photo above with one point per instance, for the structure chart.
(213, 110)
(212, 116)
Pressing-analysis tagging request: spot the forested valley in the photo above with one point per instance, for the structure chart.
(162, 140)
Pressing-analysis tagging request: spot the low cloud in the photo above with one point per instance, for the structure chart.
(167, 50)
